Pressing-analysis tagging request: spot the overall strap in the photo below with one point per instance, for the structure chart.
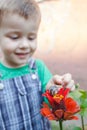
(32, 63)
(34, 70)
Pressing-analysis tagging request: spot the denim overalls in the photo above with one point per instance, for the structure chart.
(20, 102)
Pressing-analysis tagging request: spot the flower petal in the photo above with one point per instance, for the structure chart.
(71, 105)
(64, 91)
(46, 112)
(49, 97)
(59, 113)
(69, 116)
(45, 105)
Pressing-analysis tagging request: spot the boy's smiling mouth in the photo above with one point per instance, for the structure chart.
(22, 55)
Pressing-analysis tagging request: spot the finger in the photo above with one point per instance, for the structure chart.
(66, 78)
(57, 80)
(50, 84)
(71, 85)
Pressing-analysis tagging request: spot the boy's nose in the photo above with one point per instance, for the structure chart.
(24, 43)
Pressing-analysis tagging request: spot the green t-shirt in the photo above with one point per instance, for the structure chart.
(43, 72)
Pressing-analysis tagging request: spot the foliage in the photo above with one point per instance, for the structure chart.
(81, 96)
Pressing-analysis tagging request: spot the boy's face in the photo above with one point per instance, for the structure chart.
(18, 39)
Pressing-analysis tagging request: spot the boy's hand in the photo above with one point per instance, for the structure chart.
(62, 81)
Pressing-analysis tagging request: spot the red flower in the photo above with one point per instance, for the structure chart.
(62, 107)
(54, 100)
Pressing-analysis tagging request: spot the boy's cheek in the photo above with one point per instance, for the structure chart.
(34, 46)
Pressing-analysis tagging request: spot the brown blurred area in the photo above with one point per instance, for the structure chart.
(62, 40)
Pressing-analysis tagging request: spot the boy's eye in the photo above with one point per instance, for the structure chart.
(31, 38)
(13, 36)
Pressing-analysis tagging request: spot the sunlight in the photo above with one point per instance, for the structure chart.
(63, 28)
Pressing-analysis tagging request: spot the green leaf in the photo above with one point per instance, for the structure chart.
(84, 93)
(83, 112)
(76, 128)
(77, 86)
(83, 103)
(75, 94)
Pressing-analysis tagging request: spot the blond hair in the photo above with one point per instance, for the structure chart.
(25, 8)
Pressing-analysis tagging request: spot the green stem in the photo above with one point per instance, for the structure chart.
(60, 125)
(82, 121)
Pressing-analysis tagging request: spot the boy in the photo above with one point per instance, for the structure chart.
(23, 79)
